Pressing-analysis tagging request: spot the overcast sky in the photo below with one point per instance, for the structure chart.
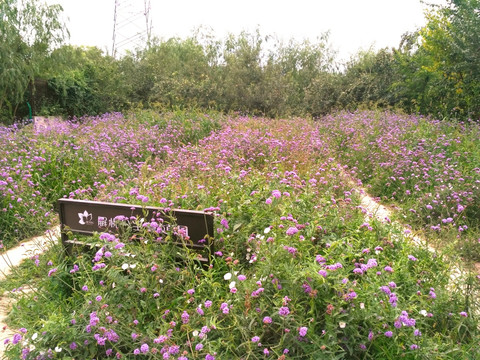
(353, 24)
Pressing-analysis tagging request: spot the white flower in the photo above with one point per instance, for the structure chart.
(58, 349)
(227, 276)
(232, 285)
(342, 324)
(133, 266)
(267, 230)
(34, 336)
(362, 306)
(160, 281)
(113, 285)
(125, 266)
(423, 312)
(195, 333)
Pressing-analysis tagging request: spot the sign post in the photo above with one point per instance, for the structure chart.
(87, 217)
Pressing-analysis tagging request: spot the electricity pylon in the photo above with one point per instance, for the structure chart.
(132, 25)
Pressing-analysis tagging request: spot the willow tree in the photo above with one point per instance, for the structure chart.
(29, 29)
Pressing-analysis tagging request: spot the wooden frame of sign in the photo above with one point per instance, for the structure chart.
(194, 229)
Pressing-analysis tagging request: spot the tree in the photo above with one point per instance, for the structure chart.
(452, 40)
(29, 30)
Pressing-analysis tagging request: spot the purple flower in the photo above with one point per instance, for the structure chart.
(386, 289)
(224, 222)
(322, 273)
(98, 266)
(372, 263)
(136, 352)
(52, 271)
(290, 249)
(411, 257)
(388, 269)
(224, 307)
(174, 349)
(413, 346)
(276, 194)
(464, 314)
(292, 231)
(255, 339)
(144, 348)
(16, 339)
(209, 357)
(185, 317)
(302, 331)
(267, 320)
(283, 311)
(388, 334)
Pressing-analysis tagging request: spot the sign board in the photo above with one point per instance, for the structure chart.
(87, 217)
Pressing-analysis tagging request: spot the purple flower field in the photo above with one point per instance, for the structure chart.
(299, 271)
(430, 169)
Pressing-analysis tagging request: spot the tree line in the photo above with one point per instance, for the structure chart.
(434, 70)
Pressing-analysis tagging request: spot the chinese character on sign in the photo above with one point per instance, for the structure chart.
(111, 223)
(102, 221)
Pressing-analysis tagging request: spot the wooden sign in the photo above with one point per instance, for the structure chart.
(87, 217)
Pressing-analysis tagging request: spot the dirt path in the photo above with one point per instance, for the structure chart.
(383, 213)
(8, 261)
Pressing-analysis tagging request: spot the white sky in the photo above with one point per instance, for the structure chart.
(353, 24)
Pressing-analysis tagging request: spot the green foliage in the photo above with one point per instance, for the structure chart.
(435, 70)
(439, 66)
(83, 81)
(28, 31)
(369, 79)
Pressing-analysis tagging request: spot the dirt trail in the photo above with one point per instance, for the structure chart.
(8, 261)
(382, 213)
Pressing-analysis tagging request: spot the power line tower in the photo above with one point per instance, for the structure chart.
(132, 25)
